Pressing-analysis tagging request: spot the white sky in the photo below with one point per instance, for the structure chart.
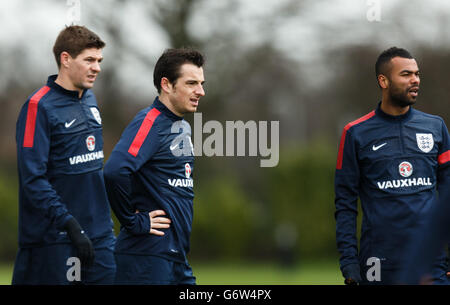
(29, 28)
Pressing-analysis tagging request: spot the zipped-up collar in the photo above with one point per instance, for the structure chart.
(51, 83)
(161, 107)
(395, 118)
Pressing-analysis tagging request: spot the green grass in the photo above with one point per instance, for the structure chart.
(6, 274)
(306, 273)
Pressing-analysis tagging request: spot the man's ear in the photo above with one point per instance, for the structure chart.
(166, 86)
(65, 59)
(383, 81)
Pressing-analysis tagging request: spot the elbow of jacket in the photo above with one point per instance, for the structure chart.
(109, 173)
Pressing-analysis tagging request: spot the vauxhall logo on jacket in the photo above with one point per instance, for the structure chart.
(90, 144)
(188, 182)
(405, 169)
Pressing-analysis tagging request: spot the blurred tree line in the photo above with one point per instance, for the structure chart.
(243, 211)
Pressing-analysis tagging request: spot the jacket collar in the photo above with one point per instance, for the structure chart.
(51, 83)
(389, 117)
(161, 107)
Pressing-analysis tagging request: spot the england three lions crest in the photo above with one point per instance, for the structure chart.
(425, 141)
(96, 115)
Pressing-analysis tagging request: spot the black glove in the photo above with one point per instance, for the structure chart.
(448, 270)
(82, 243)
(352, 274)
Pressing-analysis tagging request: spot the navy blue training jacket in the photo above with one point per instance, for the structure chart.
(150, 169)
(395, 165)
(60, 160)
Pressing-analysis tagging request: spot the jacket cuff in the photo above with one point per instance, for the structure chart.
(141, 224)
(62, 221)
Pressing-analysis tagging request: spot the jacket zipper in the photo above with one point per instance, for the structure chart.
(401, 137)
(86, 118)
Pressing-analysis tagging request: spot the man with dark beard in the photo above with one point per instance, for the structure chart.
(394, 159)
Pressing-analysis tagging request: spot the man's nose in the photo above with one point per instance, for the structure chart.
(96, 67)
(200, 91)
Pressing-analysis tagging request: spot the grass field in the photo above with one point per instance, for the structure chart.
(308, 273)
(5, 274)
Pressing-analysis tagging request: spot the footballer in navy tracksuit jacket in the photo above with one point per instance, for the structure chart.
(60, 160)
(151, 169)
(395, 165)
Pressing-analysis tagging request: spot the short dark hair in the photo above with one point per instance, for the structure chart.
(382, 64)
(168, 65)
(73, 40)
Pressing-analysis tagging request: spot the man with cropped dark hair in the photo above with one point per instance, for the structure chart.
(149, 177)
(394, 159)
(383, 64)
(169, 63)
(65, 226)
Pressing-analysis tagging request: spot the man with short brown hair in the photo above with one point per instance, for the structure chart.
(65, 226)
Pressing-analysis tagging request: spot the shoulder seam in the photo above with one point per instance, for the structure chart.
(143, 131)
(429, 115)
(30, 124)
(344, 132)
(360, 120)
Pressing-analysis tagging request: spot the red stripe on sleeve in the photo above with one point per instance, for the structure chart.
(341, 149)
(30, 125)
(143, 131)
(444, 157)
(346, 128)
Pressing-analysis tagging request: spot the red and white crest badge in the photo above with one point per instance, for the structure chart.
(405, 169)
(90, 143)
(187, 170)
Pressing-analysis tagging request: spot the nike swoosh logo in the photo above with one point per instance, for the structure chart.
(173, 147)
(67, 125)
(374, 148)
